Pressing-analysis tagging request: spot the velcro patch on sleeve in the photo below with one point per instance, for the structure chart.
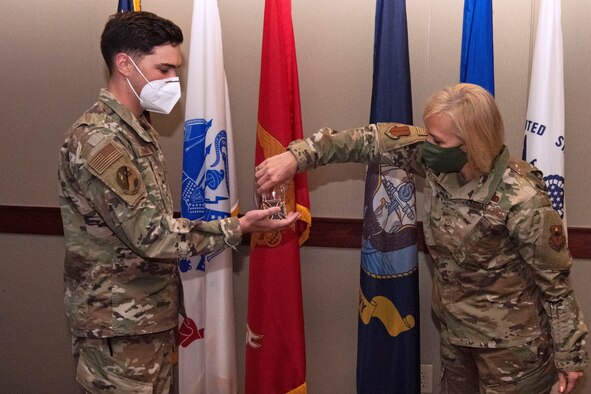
(398, 131)
(552, 249)
(104, 158)
(114, 167)
(396, 135)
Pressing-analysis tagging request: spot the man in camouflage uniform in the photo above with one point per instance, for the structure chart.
(122, 286)
(509, 320)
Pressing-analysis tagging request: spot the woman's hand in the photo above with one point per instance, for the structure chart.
(275, 170)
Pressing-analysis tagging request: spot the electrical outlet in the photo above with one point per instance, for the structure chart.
(426, 378)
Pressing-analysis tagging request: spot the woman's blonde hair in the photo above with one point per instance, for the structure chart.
(476, 119)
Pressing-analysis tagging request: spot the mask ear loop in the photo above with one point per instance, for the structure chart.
(138, 70)
(142, 74)
(132, 89)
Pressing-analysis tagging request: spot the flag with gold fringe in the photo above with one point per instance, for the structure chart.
(275, 348)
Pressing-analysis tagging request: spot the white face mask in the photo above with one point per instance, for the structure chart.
(159, 95)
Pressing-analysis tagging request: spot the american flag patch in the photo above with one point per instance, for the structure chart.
(105, 157)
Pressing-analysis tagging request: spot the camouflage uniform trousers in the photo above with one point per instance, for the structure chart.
(513, 370)
(128, 364)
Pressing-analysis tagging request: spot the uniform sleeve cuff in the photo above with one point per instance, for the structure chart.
(299, 148)
(232, 231)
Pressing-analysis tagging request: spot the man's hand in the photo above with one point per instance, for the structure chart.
(258, 221)
(275, 170)
(567, 381)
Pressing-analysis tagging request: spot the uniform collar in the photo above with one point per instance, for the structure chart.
(479, 190)
(141, 126)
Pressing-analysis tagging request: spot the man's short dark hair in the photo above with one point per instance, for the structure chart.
(137, 33)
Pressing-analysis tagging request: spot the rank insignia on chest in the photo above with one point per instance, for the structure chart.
(144, 151)
(557, 238)
(495, 211)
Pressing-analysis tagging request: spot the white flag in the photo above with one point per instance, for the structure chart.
(544, 127)
(207, 355)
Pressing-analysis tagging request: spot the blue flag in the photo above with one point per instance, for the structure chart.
(129, 5)
(477, 65)
(388, 328)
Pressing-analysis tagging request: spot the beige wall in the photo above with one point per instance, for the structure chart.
(52, 70)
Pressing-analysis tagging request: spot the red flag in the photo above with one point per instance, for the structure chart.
(275, 349)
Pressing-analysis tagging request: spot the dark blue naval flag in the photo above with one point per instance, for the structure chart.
(477, 65)
(388, 328)
(129, 5)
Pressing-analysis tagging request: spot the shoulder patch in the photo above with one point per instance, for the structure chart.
(104, 158)
(128, 179)
(397, 135)
(397, 131)
(113, 166)
(557, 238)
(551, 248)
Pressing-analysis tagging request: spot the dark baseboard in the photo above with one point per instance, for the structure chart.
(325, 232)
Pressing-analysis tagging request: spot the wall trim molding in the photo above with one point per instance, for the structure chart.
(325, 232)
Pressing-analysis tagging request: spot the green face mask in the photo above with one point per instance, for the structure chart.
(443, 159)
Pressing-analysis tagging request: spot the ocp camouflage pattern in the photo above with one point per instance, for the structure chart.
(499, 249)
(139, 364)
(122, 242)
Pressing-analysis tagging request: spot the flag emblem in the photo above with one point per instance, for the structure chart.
(389, 223)
(197, 182)
(253, 339)
(555, 188)
(204, 188)
(188, 332)
(384, 310)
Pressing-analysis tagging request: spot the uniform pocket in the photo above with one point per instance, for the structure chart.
(98, 374)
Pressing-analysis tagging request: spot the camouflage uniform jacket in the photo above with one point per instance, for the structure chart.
(122, 242)
(500, 253)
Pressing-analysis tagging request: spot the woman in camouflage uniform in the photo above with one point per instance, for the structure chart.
(509, 321)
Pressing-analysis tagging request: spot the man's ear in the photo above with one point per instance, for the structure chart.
(123, 64)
